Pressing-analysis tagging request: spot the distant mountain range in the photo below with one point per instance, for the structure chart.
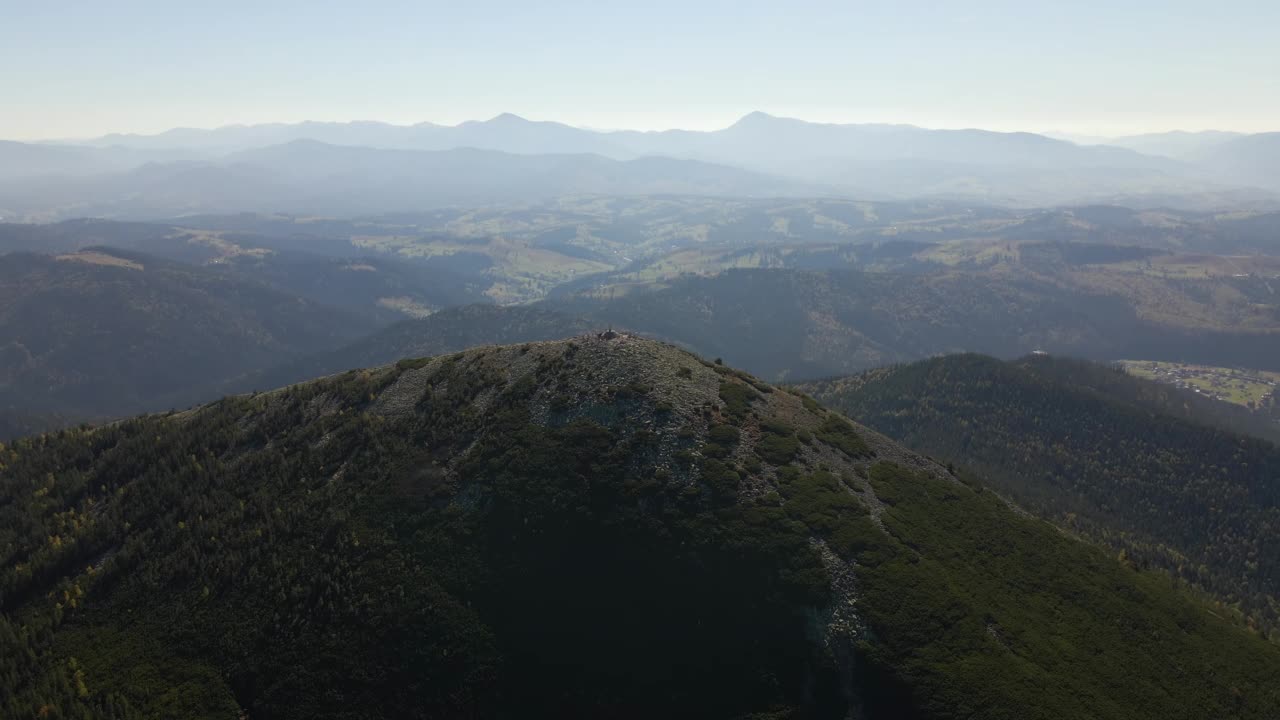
(506, 132)
(789, 140)
(758, 139)
(352, 168)
(28, 160)
(1177, 144)
(311, 177)
(1252, 159)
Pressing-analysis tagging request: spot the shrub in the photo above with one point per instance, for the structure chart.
(778, 449)
(737, 398)
(721, 479)
(726, 435)
(839, 433)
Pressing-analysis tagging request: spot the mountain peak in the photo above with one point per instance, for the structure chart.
(506, 118)
(756, 117)
(471, 527)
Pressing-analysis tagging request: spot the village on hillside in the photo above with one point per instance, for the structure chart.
(1254, 389)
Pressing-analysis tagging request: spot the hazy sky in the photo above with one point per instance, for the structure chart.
(71, 69)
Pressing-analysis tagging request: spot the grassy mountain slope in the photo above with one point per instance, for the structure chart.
(106, 333)
(579, 528)
(1100, 452)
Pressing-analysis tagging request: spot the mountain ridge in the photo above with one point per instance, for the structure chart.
(311, 177)
(603, 525)
(749, 118)
(869, 160)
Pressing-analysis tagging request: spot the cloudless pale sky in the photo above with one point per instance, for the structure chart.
(77, 69)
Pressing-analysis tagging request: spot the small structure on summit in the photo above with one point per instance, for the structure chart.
(608, 334)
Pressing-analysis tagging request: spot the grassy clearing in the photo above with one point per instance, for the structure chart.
(97, 258)
(406, 305)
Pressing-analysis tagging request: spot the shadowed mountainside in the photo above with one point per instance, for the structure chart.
(106, 333)
(1118, 459)
(595, 527)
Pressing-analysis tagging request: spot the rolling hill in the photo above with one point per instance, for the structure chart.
(104, 333)
(378, 290)
(800, 324)
(1251, 159)
(1177, 144)
(594, 527)
(327, 270)
(1120, 460)
(33, 160)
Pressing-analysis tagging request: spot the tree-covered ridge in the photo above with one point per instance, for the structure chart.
(595, 527)
(109, 333)
(1110, 456)
(800, 325)
(1121, 384)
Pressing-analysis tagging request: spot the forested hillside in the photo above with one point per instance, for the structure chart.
(586, 528)
(1115, 458)
(324, 269)
(787, 324)
(788, 289)
(106, 333)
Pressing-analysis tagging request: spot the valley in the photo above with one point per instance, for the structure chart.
(788, 289)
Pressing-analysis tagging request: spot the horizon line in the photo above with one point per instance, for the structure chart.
(1075, 137)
